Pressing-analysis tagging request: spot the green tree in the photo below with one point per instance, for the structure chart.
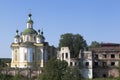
(75, 42)
(72, 73)
(94, 44)
(5, 77)
(19, 77)
(53, 70)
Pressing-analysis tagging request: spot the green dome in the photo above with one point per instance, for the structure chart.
(30, 21)
(29, 31)
(17, 36)
(40, 36)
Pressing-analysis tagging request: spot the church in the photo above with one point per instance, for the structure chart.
(29, 48)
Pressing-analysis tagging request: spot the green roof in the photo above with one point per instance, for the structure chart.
(29, 31)
(17, 36)
(30, 21)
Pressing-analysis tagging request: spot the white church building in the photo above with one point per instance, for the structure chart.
(29, 48)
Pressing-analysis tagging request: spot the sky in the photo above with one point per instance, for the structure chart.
(95, 20)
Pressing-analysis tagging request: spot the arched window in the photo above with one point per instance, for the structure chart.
(27, 38)
(66, 55)
(33, 56)
(30, 37)
(39, 55)
(62, 55)
(25, 56)
(34, 38)
(15, 55)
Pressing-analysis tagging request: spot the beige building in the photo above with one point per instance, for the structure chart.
(106, 60)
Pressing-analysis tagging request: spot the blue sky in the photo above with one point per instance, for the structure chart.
(95, 20)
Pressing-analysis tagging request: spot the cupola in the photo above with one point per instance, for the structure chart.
(17, 37)
(40, 38)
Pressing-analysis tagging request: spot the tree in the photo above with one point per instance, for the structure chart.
(5, 77)
(94, 44)
(75, 42)
(72, 73)
(53, 70)
(19, 77)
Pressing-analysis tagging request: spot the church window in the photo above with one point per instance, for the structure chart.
(63, 56)
(66, 55)
(27, 38)
(16, 40)
(87, 63)
(30, 37)
(15, 55)
(38, 55)
(25, 56)
(34, 38)
(33, 56)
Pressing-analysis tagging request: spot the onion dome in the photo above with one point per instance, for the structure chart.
(29, 31)
(40, 35)
(30, 20)
(17, 36)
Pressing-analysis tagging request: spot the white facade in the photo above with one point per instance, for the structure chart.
(87, 69)
(64, 54)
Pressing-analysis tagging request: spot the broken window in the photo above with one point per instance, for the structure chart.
(112, 63)
(112, 55)
(87, 63)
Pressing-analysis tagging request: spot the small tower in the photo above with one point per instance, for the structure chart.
(40, 38)
(87, 69)
(17, 37)
(30, 21)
